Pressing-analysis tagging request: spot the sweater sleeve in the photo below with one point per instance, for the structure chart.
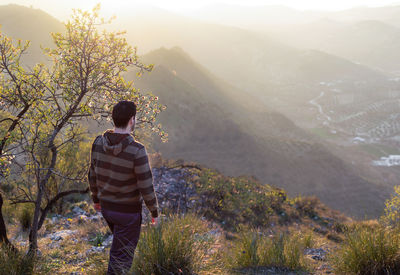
(92, 176)
(145, 181)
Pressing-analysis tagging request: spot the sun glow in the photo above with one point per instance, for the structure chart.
(62, 9)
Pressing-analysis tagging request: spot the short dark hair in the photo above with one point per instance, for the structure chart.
(122, 112)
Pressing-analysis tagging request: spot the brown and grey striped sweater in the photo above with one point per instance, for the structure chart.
(120, 176)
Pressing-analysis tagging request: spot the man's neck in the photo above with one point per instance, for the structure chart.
(121, 131)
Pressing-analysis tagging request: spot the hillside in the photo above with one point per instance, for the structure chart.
(204, 126)
(240, 136)
(256, 63)
(184, 190)
(19, 22)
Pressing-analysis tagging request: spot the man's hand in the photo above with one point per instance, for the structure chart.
(154, 221)
(97, 207)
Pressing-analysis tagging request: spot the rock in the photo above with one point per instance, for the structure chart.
(56, 238)
(60, 235)
(317, 257)
(317, 254)
(96, 217)
(326, 268)
(107, 242)
(78, 211)
(54, 245)
(22, 243)
(320, 230)
(95, 249)
(175, 188)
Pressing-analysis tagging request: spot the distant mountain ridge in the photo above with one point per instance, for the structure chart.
(370, 42)
(258, 17)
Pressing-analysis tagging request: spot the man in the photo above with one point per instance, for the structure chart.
(119, 177)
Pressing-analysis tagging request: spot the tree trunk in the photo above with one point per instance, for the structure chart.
(3, 229)
(34, 228)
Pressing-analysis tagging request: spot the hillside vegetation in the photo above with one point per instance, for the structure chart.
(218, 212)
(211, 223)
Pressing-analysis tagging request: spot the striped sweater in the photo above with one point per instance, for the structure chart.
(120, 176)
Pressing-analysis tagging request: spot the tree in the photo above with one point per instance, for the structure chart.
(391, 215)
(84, 82)
(20, 90)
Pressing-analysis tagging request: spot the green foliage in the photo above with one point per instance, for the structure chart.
(98, 239)
(42, 109)
(25, 216)
(391, 215)
(15, 263)
(176, 246)
(255, 249)
(89, 63)
(246, 249)
(368, 250)
(308, 240)
(240, 200)
(306, 205)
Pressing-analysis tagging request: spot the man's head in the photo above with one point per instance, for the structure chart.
(123, 114)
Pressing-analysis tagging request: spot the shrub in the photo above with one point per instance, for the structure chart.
(284, 250)
(25, 216)
(15, 263)
(254, 249)
(367, 250)
(98, 239)
(245, 251)
(237, 200)
(391, 215)
(177, 245)
(306, 205)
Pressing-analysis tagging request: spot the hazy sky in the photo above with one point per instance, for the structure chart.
(62, 8)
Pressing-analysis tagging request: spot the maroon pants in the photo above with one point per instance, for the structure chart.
(126, 230)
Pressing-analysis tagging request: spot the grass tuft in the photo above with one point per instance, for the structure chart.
(255, 249)
(15, 263)
(178, 245)
(368, 250)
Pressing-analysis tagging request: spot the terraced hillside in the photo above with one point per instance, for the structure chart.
(369, 114)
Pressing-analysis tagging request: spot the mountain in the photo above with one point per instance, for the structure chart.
(206, 125)
(256, 63)
(388, 14)
(251, 61)
(35, 25)
(370, 42)
(211, 121)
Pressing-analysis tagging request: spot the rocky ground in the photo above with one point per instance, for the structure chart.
(79, 241)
